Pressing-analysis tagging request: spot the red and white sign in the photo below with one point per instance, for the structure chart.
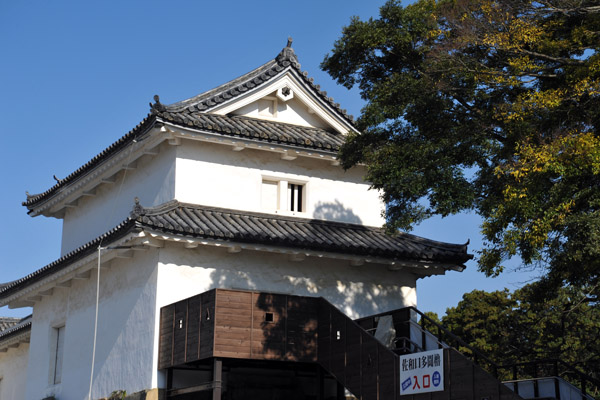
(422, 372)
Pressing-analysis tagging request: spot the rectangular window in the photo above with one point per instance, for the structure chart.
(283, 195)
(295, 197)
(59, 343)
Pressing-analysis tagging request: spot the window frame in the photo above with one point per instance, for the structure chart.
(284, 187)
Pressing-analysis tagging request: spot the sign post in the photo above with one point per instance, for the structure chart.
(422, 372)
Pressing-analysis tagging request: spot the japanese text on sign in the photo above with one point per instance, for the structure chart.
(422, 372)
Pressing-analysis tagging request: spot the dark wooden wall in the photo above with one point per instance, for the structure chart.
(354, 357)
(240, 324)
(187, 330)
(260, 326)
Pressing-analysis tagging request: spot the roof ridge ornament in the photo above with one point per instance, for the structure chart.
(157, 106)
(287, 56)
(137, 210)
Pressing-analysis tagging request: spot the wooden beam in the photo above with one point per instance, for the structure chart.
(357, 263)
(83, 275)
(152, 152)
(130, 166)
(192, 389)
(109, 180)
(125, 254)
(174, 141)
(234, 249)
(65, 284)
(297, 257)
(191, 245)
(153, 242)
(238, 148)
(72, 204)
(20, 304)
(47, 292)
(288, 156)
(34, 298)
(89, 193)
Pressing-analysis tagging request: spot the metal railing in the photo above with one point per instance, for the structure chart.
(530, 370)
(533, 370)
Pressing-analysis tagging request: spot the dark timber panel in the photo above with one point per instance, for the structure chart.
(233, 324)
(324, 339)
(338, 345)
(369, 365)
(387, 370)
(179, 332)
(193, 328)
(353, 350)
(207, 324)
(165, 342)
(266, 326)
(302, 314)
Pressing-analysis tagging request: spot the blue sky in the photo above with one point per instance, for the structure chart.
(76, 75)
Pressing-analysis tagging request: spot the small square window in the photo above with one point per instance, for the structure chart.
(269, 317)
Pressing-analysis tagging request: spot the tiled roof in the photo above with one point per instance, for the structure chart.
(214, 97)
(22, 325)
(257, 129)
(194, 221)
(192, 113)
(7, 322)
(90, 247)
(277, 230)
(135, 133)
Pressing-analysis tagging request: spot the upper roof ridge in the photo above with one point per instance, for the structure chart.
(286, 59)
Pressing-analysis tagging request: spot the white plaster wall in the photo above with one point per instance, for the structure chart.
(125, 341)
(134, 290)
(214, 175)
(356, 290)
(291, 112)
(153, 182)
(13, 372)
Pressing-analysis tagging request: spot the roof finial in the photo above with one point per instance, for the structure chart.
(157, 106)
(137, 207)
(287, 56)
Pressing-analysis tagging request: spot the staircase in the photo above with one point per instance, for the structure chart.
(349, 351)
(542, 379)
(225, 338)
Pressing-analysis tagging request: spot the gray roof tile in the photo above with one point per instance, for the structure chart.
(193, 221)
(260, 130)
(8, 322)
(22, 325)
(277, 230)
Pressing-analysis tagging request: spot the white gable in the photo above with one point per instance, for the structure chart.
(285, 99)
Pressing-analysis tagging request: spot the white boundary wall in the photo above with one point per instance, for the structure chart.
(13, 372)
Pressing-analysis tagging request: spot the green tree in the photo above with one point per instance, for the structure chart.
(517, 327)
(489, 105)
